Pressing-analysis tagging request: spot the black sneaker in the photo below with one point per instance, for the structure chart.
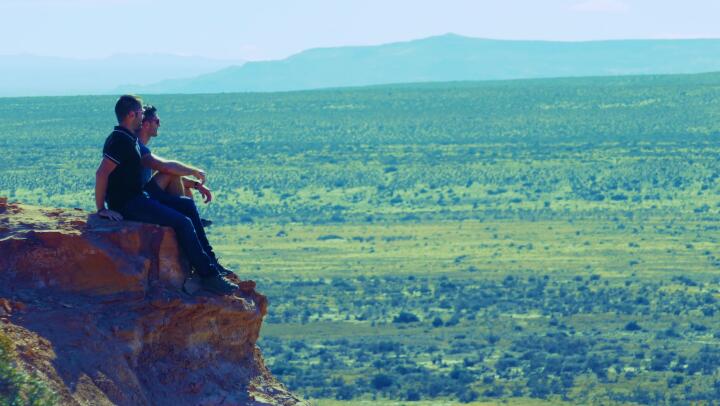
(223, 271)
(218, 285)
(205, 222)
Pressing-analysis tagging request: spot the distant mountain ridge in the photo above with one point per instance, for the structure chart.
(442, 58)
(30, 75)
(452, 57)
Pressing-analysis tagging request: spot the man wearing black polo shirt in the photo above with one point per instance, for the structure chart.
(118, 181)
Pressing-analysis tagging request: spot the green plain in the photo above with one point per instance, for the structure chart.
(528, 242)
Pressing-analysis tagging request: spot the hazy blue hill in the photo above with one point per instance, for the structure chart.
(29, 75)
(452, 57)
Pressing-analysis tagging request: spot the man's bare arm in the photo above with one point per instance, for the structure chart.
(101, 182)
(176, 168)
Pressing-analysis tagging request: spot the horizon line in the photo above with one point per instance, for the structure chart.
(244, 60)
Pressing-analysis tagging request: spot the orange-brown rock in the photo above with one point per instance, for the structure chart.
(95, 308)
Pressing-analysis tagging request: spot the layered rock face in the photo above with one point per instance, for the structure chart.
(95, 308)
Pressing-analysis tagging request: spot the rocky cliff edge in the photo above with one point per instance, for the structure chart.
(96, 310)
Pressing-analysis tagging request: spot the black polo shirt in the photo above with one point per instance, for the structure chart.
(125, 182)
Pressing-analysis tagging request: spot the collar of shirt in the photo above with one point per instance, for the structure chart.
(125, 131)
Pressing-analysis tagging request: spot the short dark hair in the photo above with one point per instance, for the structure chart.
(127, 103)
(149, 113)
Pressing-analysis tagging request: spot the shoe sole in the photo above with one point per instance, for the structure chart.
(219, 292)
(191, 286)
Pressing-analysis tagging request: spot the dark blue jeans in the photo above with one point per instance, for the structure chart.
(144, 209)
(186, 206)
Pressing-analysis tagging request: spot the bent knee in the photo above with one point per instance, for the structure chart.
(164, 180)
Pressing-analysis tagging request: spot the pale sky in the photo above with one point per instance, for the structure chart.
(275, 29)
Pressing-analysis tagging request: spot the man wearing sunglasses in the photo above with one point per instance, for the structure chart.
(170, 185)
(171, 176)
(119, 183)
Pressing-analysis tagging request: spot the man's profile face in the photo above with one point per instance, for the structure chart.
(150, 126)
(154, 124)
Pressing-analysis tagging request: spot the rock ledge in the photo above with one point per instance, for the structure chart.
(95, 308)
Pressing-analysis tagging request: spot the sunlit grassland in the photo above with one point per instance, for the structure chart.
(551, 239)
(654, 247)
(618, 252)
